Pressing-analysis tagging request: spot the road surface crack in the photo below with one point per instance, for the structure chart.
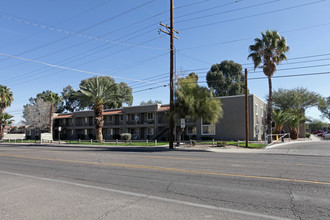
(293, 205)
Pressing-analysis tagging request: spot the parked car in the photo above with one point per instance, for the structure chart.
(318, 132)
(326, 135)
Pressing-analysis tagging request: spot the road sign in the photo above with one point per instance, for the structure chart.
(183, 123)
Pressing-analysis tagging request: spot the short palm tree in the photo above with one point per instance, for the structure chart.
(54, 99)
(295, 119)
(268, 52)
(279, 117)
(6, 98)
(6, 119)
(98, 91)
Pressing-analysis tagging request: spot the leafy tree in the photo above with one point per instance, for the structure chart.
(6, 120)
(195, 101)
(55, 100)
(324, 107)
(96, 92)
(298, 99)
(268, 52)
(70, 100)
(226, 79)
(279, 117)
(317, 125)
(6, 98)
(124, 96)
(37, 114)
(150, 102)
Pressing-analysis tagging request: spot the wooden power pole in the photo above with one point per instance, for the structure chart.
(170, 31)
(246, 111)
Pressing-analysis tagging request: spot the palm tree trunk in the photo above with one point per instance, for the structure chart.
(98, 120)
(1, 125)
(51, 119)
(270, 109)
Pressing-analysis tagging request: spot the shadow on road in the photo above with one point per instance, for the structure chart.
(88, 148)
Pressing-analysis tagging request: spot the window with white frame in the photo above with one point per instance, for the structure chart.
(150, 116)
(208, 129)
(256, 109)
(191, 130)
(150, 131)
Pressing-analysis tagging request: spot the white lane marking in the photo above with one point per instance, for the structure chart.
(147, 196)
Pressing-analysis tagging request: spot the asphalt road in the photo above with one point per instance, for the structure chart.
(58, 182)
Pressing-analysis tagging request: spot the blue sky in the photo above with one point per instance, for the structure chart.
(120, 38)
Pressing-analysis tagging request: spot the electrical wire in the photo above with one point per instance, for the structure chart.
(68, 68)
(254, 15)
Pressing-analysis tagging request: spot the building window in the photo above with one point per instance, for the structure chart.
(121, 117)
(110, 118)
(208, 129)
(132, 118)
(150, 131)
(28, 132)
(262, 112)
(150, 116)
(191, 130)
(256, 110)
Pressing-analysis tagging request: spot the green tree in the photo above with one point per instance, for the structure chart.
(298, 99)
(70, 100)
(268, 52)
(226, 79)
(324, 107)
(96, 92)
(123, 96)
(316, 125)
(6, 120)
(6, 98)
(54, 99)
(150, 102)
(279, 118)
(195, 101)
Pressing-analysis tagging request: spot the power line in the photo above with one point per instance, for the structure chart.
(84, 29)
(79, 34)
(61, 22)
(255, 15)
(68, 68)
(225, 12)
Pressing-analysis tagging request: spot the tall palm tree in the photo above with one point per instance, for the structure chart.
(98, 91)
(54, 99)
(268, 52)
(6, 98)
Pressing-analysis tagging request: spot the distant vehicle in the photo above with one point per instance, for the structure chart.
(326, 135)
(318, 132)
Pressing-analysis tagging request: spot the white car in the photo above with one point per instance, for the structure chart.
(326, 135)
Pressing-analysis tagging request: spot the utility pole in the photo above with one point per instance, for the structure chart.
(246, 111)
(170, 31)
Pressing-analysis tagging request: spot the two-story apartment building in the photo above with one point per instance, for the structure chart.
(152, 122)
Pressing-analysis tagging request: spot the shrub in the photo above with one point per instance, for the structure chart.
(125, 136)
(308, 135)
(116, 136)
(221, 144)
(193, 142)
